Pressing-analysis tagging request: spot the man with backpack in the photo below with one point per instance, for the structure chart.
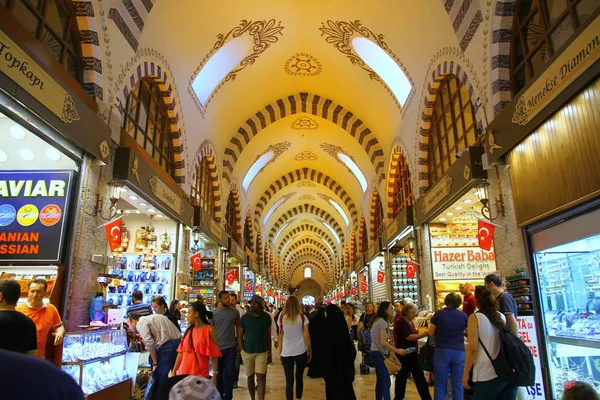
(506, 303)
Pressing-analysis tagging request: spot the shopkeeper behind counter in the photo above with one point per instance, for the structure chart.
(44, 316)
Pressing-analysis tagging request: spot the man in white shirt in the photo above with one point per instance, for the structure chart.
(161, 339)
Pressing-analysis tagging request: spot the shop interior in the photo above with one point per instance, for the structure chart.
(453, 236)
(232, 275)
(378, 280)
(401, 251)
(204, 279)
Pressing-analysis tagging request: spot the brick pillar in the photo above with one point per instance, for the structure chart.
(425, 272)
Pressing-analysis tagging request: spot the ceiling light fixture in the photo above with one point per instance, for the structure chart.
(442, 219)
(53, 154)
(449, 214)
(18, 132)
(132, 198)
(3, 156)
(151, 210)
(27, 154)
(468, 201)
(158, 216)
(458, 208)
(143, 204)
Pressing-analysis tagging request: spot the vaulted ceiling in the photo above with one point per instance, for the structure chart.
(304, 95)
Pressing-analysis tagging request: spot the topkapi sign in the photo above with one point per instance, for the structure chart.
(462, 263)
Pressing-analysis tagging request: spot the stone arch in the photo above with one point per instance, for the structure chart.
(154, 71)
(362, 236)
(308, 240)
(130, 18)
(250, 227)
(310, 104)
(430, 93)
(207, 150)
(259, 247)
(346, 255)
(502, 22)
(304, 264)
(90, 36)
(373, 205)
(234, 193)
(307, 208)
(304, 251)
(353, 247)
(309, 287)
(465, 18)
(299, 175)
(397, 156)
(311, 228)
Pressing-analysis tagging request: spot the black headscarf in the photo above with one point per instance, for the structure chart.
(339, 356)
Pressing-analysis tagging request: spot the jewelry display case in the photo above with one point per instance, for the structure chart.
(97, 361)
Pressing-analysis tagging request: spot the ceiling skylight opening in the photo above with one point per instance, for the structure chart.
(333, 232)
(255, 168)
(219, 65)
(280, 229)
(272, 210)
(328, 245)
(286, 245)
(355, 170)
(384, 66)
(340, 210)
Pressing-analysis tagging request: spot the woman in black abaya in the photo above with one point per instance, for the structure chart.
(316, 331)
(339, 355)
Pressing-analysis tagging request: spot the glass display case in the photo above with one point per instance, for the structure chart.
(445, 287)
(96, 359)
(403, 287)
(569, 294)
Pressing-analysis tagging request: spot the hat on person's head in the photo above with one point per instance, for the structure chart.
(188, 387)
(257, 299)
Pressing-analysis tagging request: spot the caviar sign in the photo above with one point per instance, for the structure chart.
(33, 207)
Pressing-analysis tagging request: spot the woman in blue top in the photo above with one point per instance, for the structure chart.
(448, 326)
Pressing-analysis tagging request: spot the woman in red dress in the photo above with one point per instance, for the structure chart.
(199, 344)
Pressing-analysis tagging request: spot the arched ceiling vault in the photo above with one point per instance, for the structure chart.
(313, 242)
(306, 208)
(306, 229)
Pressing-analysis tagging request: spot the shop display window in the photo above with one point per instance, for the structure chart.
(403, 286)
(95, 359)
(569, 286)
(203, 280)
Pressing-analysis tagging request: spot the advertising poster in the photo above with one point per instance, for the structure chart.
(33, 211)
(232, 279)
(528, 334)
(249, 284)
(462, 263)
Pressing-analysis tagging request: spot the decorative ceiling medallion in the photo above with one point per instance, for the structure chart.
(306, 197)
(303, 64)
(305, 123)
(264, 33)
(306, 156)
(306, 183)
(341, 33)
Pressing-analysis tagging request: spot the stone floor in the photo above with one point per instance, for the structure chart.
(314, 389)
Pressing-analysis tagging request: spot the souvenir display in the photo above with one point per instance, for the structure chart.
(203, 280)
(99, 354)
(519, 286)
(404, 287)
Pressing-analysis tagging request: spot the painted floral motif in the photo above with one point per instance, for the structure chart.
(303, 64)
(306, 156)
(520, 116)
(69, 113)
(305, 123)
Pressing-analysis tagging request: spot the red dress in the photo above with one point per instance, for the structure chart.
(194, 360)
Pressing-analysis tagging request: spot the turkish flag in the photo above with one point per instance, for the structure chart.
(230, 277)
(411, 269)
(380, 276)
(346, 292)
(196, 261)
(248, 287)
(113, 233)
(485, 234)
(259, 287)
(354, 291)
(363, 284)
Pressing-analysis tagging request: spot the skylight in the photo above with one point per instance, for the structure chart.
(384, 66)
(272, 210)
(280, 229)
(340, 210)
(307, 272)
(219, 65)
(333, 232)
(355, 170)
(255, 168)
(328, 245)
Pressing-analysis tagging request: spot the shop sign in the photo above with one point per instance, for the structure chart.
(572, 62)
(462, 263)
(33, 211)
(169, 197)
(21, 68)
(249, 285)
(215, 229)
(437, 194)
(527, 332)
(237, 251)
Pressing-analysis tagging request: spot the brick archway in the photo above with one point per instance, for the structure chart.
(208, 151)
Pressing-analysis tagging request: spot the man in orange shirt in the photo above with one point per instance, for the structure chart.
(44, 316)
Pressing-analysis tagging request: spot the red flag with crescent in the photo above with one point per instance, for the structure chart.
(196, 261)
(363, 284)
(248, 287)
(259, 287)
(380, 276)
(485, 234)
(354, 291)
(231, 276)
(113, 233)
(411, 269)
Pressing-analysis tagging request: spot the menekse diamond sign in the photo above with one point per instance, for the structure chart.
(33, 208)
(462, 263)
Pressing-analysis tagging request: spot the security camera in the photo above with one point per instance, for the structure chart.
(460, 153)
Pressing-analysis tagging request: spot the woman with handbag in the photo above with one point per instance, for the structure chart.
(198, 345)
(407, 337)
(448, 326)
(382, 350)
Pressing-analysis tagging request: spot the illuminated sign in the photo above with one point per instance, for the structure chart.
(33, 208)
(462, 263)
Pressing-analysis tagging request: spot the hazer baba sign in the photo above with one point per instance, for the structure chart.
(33, 210)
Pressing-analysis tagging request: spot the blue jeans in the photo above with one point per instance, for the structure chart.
(495, 389)
(166, 355)
(446, 361)
(384, 383)
(236, 369)
(288, 368)
(225, 378)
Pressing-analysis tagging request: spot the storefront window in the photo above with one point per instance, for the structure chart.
(402, 189)
(147, 121)
(452, 126)
(540, 29)
(53, 24)
(202, 190)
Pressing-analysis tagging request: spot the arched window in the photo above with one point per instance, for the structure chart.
(540, 29)
(403, 194)
(378, 220)
(202, 190)
(248, 233)
(230, 218)
(147, 121)
(452, 126)
(307, 272)
(53, 24)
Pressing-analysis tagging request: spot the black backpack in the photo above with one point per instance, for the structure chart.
(514, 363)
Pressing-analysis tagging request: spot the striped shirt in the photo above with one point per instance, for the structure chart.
(143, 309)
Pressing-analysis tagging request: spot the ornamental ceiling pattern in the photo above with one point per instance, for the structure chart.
(303, 64)
(306, 156)
(305, 123)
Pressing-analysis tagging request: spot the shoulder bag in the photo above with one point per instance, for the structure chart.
(391, 362)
